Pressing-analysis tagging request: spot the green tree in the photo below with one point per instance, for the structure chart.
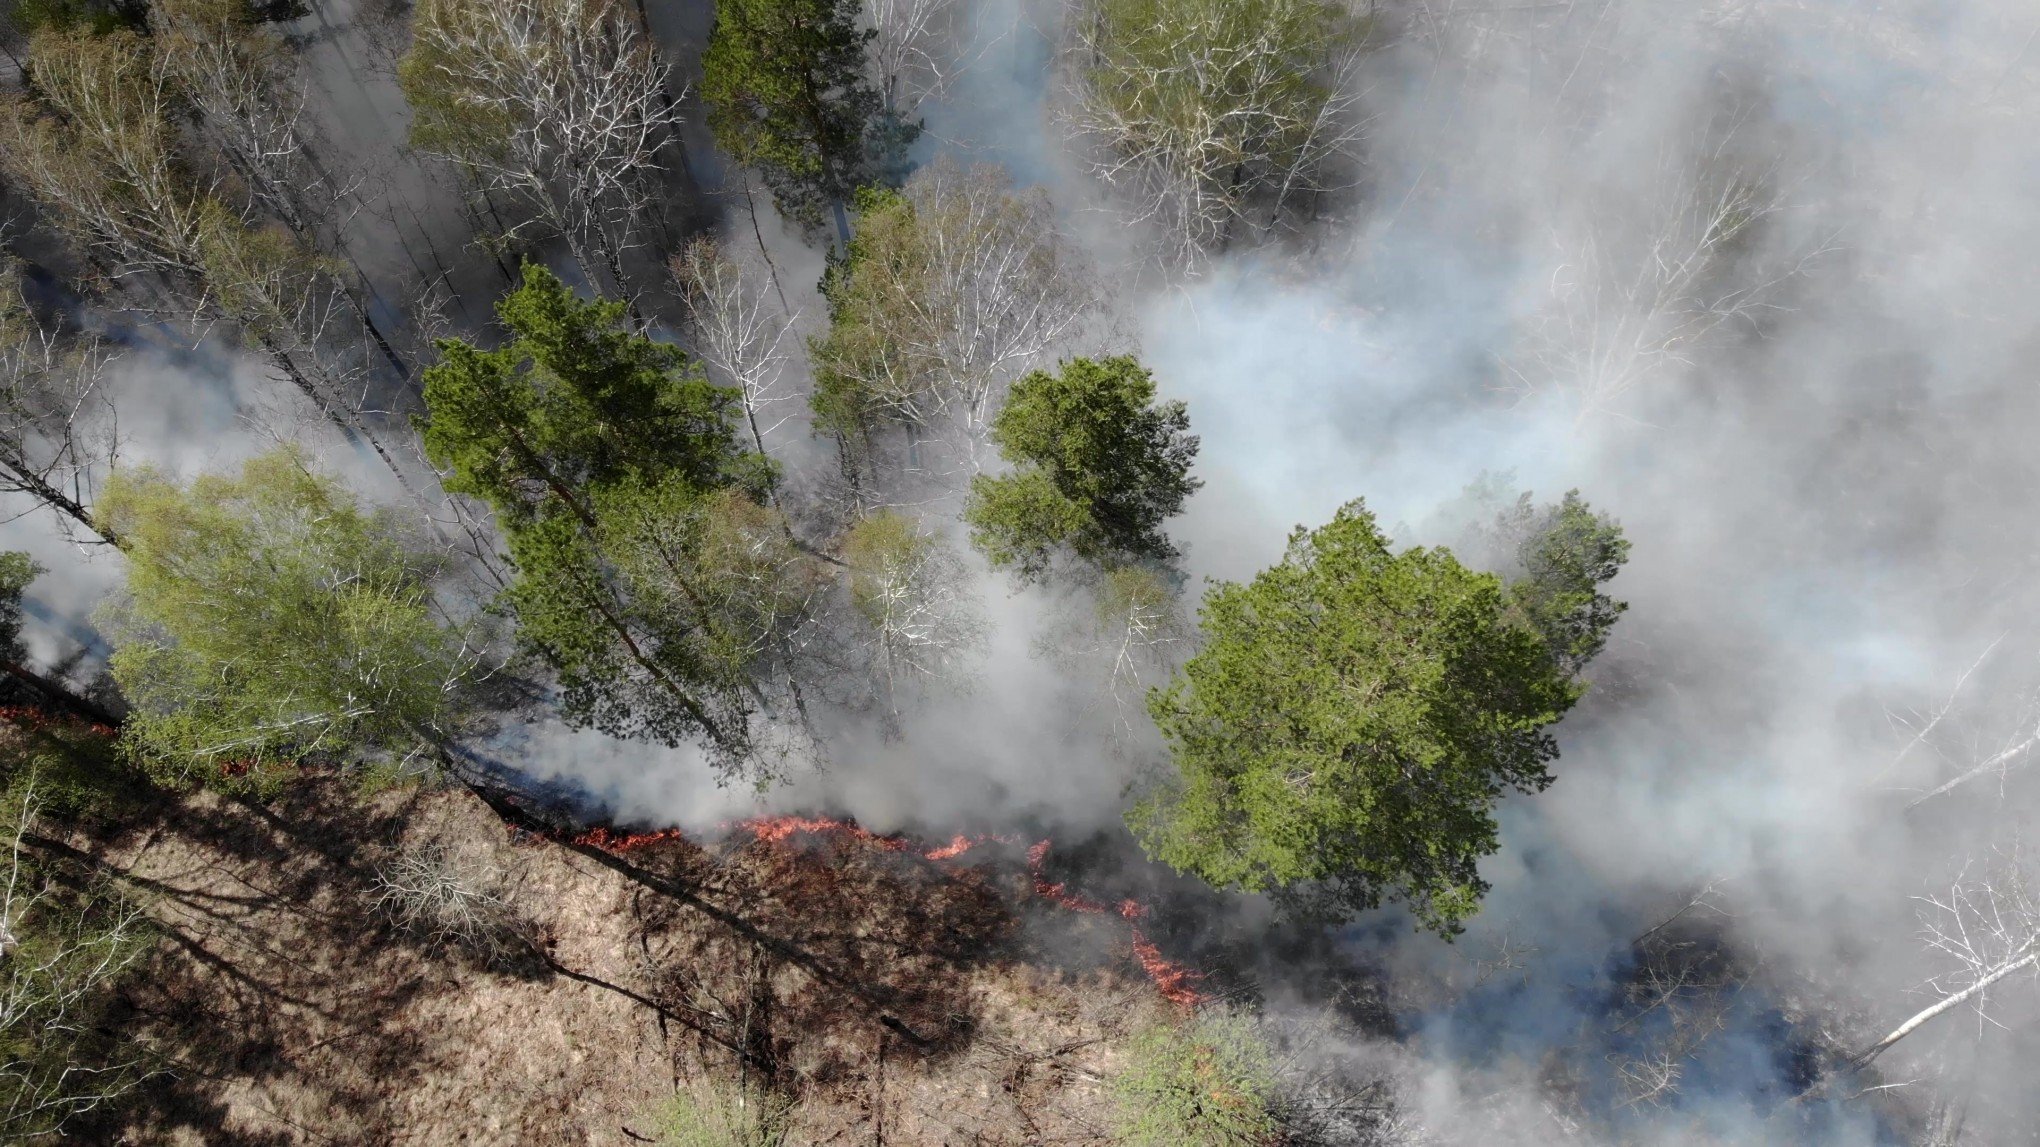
(1352, 720)
(1099, 466)
(1564, 554)
(788, 93)
(1205, 1081)
(268, 616)
(615, 469)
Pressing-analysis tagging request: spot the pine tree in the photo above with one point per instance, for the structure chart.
(614, 467)
(788, 93)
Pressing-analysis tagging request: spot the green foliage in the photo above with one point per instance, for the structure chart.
(17, 569)
(787, 94)
(912, 593)
(96, 16)
(863, 368)
(575, 401)
(707, 1116)
(1349, 725)
(1566, 553)
(1205, 1081)
(1099, 466)
(269, 616)
(945, 288)
(445, 118)
(79, 770)
(614, 466)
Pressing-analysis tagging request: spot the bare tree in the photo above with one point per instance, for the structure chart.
(56, 430)
(562, 103)
(1986, 725)
(1217, 113)
(733, 331)
(953, 289)
(444, 896)
(910, 50)
(1129, 629)
(921, 619)
(1986, 930)
(60, 957)
(99, 149)
(1643, 281)
(242, 81)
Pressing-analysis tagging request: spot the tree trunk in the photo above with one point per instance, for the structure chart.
(32, 484)
(1908, 1027)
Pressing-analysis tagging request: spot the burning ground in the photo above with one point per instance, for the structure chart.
(912, 994)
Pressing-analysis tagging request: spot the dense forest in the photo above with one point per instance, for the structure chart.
(741, 573)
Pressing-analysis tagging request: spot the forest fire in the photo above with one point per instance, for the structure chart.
(609, 841)
(1171, 979)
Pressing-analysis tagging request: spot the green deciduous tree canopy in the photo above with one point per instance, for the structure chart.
(788, 93)
(269, 616)
(648, 577)
(1099, 466)
(1355, 715)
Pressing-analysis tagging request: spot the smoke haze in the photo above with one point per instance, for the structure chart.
(1753, 275)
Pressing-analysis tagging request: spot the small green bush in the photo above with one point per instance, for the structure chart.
(704, 1115)
(1203, 1082)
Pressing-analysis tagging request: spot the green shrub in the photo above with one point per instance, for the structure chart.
(704, 1115)
(1203, 1082)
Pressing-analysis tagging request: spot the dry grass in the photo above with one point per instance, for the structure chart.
(884, 994)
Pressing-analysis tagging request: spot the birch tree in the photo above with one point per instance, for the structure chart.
(910, 51)
(1647, 278)
(98, 146)
(560, 103)
(921, 621)
(1210, 115)
(1986, 932)
(1122, 634)
(242, 81)
(744, 342)
(952, 288)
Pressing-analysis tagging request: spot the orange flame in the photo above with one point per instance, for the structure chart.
(1171, 979)
(613, 842)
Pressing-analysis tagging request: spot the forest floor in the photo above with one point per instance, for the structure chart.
(899, 999)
